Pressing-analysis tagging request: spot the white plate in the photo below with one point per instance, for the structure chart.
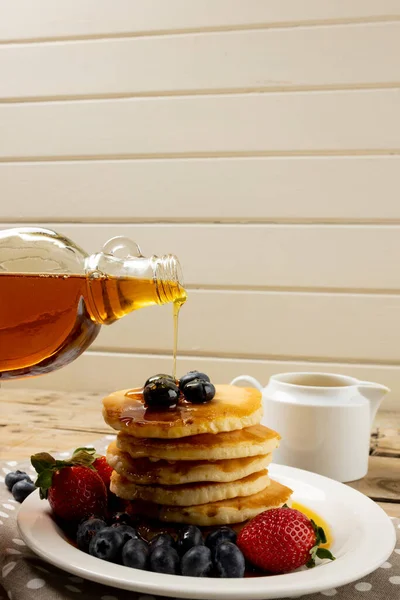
(364, 538)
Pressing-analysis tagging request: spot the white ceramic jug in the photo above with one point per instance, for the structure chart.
(325, 421)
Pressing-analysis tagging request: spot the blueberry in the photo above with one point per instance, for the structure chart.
(87, 530)
(156, 378)
(197, 562)
(107, 544)
(228, 560)
(127, 532)
(190, 376)
(223, 534)
(188, 537)
(22, 489)
(135, 553)
(199, 391)
(162, 539)
(164, 559)
(12, 478)
(163, 393)
(121, 518)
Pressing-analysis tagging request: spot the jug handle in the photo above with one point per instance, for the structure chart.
(248, 379)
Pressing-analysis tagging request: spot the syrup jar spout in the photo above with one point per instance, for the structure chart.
(141, 281)
(374, 393)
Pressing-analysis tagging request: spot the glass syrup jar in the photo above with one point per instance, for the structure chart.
(54, 297)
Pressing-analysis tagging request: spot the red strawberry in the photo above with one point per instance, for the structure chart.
(280, 540)
(104, 470)
(73, 487)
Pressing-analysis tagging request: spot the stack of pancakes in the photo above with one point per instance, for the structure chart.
(200, 464)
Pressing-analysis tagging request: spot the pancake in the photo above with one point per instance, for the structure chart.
(252, 441)
(231, 408)
(145, 471)
(191, 493)
(224, 512)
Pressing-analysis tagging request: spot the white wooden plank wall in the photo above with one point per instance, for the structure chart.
(259, 141)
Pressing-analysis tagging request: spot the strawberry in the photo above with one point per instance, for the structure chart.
(73, 487)
(280, 540)
(104, 470)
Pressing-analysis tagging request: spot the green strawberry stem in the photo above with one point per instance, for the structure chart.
(46, 465)
(316, 551)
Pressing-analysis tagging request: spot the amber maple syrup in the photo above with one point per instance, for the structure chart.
(176, 307)
(311, 514)
(46, 321)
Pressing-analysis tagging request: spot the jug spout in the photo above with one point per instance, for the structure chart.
(374, 393)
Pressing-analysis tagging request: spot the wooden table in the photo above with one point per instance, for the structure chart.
(31, 421)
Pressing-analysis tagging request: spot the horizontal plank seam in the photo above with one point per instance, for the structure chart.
(294, 290)
(238, 221)
(217, 226)
(317, 290)
(272, 89)
(242, 91)
(331, 292)
(204, 159)
(204, 29)
(203, 154)
(223, 356)
(243, 158)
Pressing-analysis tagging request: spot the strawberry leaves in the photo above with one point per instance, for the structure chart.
(316, 551)
(320, 553)
(46, 465)
(84, 457)
(42, 461)
(43, 482)
(325, 553)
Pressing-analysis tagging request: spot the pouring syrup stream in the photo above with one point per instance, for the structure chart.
(176, 307)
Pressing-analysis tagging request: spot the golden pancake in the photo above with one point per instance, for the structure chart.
(225, 512)
(231, 408)
(252, 441)
(191, 493)
(145, 471)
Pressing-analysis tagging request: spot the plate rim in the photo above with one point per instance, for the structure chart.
(381, 539)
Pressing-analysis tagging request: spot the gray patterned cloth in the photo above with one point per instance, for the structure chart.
(23, 576)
